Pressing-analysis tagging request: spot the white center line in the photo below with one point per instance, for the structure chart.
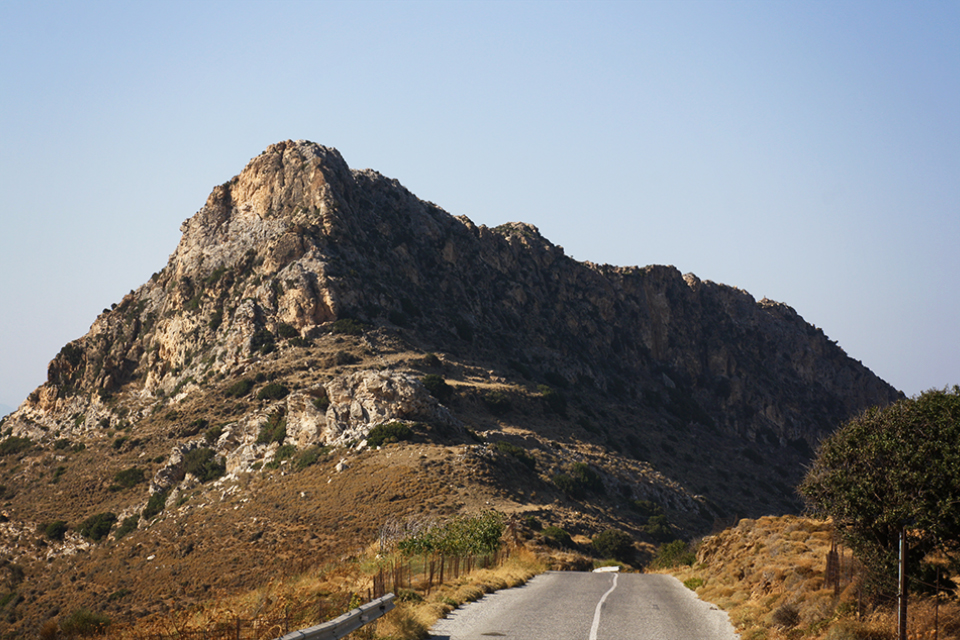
(596, 614)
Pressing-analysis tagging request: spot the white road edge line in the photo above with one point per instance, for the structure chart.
(596, 614)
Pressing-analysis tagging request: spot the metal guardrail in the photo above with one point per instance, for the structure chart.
(345, 624)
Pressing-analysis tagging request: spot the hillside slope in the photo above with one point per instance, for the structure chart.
(232, 395)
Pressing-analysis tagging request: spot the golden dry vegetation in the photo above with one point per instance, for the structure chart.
(769, 576)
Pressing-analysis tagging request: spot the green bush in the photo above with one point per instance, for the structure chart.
(97, 527)
(557, 537)
(83, 622)
(274, 429)
(517, 452)
(646, 508)
(262, 341)
(568, 485)
(580, 479)
(155, 505)
(128, 477)
(287, 331)
(311, 456)
(14, 445)
(497, 402)
(553, 400)
(463, 535)
(348, 326)
(55, 530)
(616, 544)
(127, 526)
(437, 387)
(285, 452)
(659, 529)
(240, 388)
(204, 464)
(273, 391)
(213, 434)
(321, 403)
(388, 433)
(693, 583)
(673, 554)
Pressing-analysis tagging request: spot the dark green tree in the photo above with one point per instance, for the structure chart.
(892, 468)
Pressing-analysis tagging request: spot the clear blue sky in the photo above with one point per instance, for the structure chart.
(808, 152)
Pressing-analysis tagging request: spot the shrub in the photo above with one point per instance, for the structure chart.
(83, 622)
(274, 429)
(567, 484)
(310, 456)
(97, 527)
(321, 403)
(273, 391)
(285, 452)
(517, 452)
(262, 341)
(580, 479)
(128, 477)
(14, 445)
(463, 535)
(557, 537)
(55, 530)
(616, 544)
(693, 583)
(437, 387)
(62, 443)
(587, 477)
(497, 402)
(204, 464)
(646, 508)
(155, 505)
(388, 433)
(213, 434)
(553, 400)
(673, 554)
(348, 326)
(786, 616)
(659, 529)
(128, 525)
(287, 331)
(240, 388)
(556, 379)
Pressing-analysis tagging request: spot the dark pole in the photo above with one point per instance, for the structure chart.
(902, 591)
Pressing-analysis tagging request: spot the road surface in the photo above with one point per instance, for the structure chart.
(570, 605)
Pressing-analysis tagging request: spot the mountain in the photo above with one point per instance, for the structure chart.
(229, 407)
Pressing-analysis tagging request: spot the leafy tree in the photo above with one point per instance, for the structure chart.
(616, 544)
(892, 468)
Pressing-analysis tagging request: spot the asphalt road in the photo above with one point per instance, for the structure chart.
(570, 605)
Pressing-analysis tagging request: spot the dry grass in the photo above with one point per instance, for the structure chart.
(768, 575)
(410, 621)
(307, 599)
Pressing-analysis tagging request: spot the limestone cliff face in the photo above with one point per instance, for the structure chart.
(298, 240)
